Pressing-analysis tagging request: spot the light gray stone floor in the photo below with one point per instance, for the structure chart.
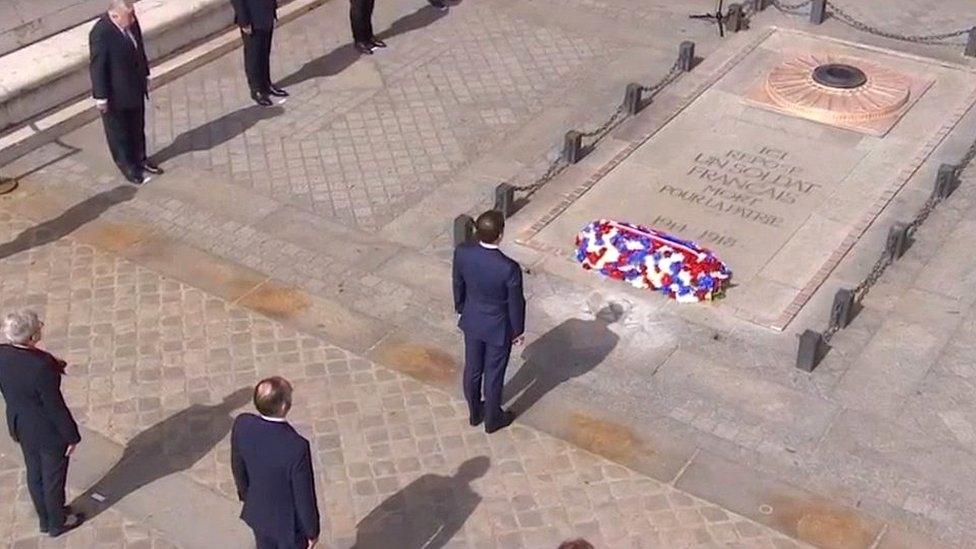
(347, 192)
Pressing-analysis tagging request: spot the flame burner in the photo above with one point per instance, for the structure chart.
(836, 90)
(840, 76)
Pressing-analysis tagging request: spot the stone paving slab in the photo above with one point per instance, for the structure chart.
(161, 367)
(619, 391)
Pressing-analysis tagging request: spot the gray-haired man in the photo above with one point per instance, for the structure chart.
(38, 418)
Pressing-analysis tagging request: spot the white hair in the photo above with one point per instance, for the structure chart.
(116, 6)
(20, 327)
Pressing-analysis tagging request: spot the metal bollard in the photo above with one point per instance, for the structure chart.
(818, 11)
(686, 55)
(945, 182)
(897, 242)
(505, 199)
(463, 229)
(842, 311)
(756, 5)
(573, 147)
(735, 21)
(810, 350)
(632, 99)
(971, 43)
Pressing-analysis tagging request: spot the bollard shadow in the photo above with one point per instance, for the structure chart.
(216, 132)
(168, 447)
(569, 350)
(344, 56)
(74, 217)
(427, 513)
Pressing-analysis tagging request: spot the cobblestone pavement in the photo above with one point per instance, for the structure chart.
(158, 366)
(341, 193)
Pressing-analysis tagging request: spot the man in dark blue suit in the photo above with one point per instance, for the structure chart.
(488, 296)
(256, 19)
(272, 467)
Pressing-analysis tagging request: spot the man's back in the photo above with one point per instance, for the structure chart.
(273, 471)
(36, 413)
(488, 293)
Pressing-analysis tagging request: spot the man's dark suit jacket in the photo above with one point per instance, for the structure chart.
(119, 71)
(488, 294)
(259, 14)
(37, 416)
(272, 467)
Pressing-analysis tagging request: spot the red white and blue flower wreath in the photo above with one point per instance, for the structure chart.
(646, 258)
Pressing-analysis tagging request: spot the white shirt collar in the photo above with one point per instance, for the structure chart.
(488, 246)
(273, 419)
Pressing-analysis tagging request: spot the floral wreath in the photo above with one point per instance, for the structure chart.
(646, 258)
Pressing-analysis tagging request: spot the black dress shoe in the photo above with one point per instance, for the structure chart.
(148, 166)
(506, 420)
(71, 522)
(261, 99)
(137, 178)
(439, 4)
(377, 43)
(364, 48)
(276, 91)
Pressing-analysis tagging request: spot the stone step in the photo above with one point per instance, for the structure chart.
(44, 87)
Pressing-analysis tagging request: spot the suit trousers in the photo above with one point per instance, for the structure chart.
(267, 542)
(125, 130)
(361, 17)
(47, 471)
(484, 374)
(257, 59)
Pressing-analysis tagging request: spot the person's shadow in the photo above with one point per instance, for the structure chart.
(344, 56)
(425, 514)
(569, 350)
(74, 217)
(168, 447)
(216, 132)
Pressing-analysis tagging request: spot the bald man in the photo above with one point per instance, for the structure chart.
(272, 466)
(120, 85)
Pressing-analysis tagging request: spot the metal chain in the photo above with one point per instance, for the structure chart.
(605, 128)
(559, 164)
(966, 159)
(851, 21)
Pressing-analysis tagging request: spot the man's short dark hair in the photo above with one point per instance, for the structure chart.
(272, 396)
(576, 544)
(490, 226)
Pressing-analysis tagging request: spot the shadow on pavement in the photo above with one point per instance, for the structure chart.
(216, 132)
(425, 514)
(170, 446)
(569, 350)
(344, 56)
(74, 217)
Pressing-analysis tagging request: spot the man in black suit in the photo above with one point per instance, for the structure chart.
(488, 296)
(120, 86)
(272, 466)
(256, 18)
(38, 419)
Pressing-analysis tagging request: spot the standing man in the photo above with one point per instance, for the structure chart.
(38, 419)
(488, 296)
(361, 17)
(256, 18)
(120, 86)
(272, 467)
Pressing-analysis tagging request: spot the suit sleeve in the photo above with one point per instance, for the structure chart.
(242, 16)
(237, 466)
(98, 66)
(459, 288)
(303, 488)
(516, 301)
(49, 388)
